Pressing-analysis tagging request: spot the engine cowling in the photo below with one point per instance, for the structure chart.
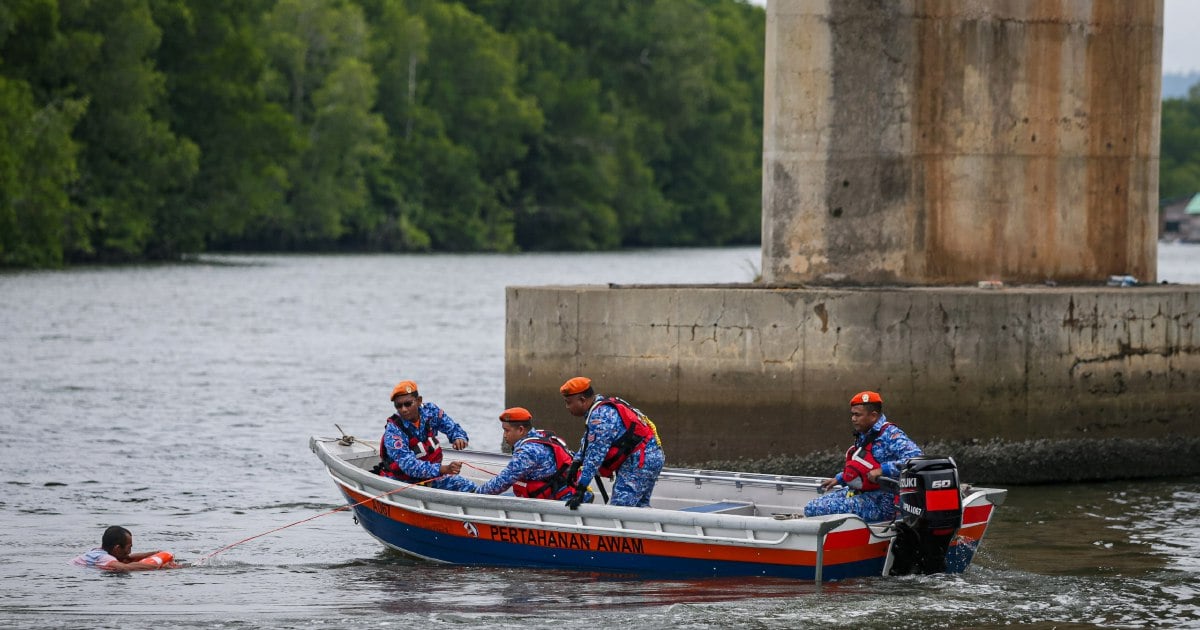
(929, 513)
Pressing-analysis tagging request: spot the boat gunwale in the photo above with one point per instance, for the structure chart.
(654, 517)
(813, 526)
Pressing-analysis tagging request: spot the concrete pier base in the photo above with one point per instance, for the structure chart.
(925, 143)
(755, 372)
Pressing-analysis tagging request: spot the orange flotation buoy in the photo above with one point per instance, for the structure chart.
(158, 560)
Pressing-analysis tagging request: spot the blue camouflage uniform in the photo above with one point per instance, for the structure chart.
(395, 440)
(890, 449)
(635, 478)
(531, 461)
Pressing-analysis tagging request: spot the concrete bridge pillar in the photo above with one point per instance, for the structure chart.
(948, 141)
(920, 142)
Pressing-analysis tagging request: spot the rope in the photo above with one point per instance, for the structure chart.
(348, 440)
(494, 473)
(482, 470)
(345, 440)
(340, 509)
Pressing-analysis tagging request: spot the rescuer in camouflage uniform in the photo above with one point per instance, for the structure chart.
(410, 450)
(540, 461)
(617, 439)
(879, 442)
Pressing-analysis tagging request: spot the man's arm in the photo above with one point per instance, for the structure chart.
(897, 448)
(454, 432)
(512, 473)
(603, 426)
(134, 565)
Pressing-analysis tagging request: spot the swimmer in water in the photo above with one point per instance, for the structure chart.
(116, 554)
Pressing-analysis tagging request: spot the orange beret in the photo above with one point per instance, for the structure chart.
(404, 387)
(577, 385)
(516, 414)
(862, 398)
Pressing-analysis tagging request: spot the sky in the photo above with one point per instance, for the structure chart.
(1181, 46)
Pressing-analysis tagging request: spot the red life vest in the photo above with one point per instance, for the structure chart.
(860, 461)
(634, 440)
(556, 486)
(427, 449)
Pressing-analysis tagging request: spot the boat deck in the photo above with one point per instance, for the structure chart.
(697, 491)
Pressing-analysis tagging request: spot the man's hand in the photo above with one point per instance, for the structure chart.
(576, 499)
(459, 445)
(874, 473)
(828, 484)
(453, 468)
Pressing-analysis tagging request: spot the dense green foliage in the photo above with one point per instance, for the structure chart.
(1180, 158)
(148, 129)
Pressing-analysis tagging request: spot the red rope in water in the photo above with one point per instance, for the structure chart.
(334, 511)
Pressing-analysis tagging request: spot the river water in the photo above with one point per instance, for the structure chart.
(177, 400)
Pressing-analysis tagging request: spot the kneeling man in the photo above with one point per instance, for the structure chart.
(540, 461)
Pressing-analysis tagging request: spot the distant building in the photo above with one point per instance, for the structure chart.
(1180, 219)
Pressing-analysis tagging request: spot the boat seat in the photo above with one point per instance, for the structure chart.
(723, 507)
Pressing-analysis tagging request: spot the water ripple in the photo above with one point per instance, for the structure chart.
(176, 400)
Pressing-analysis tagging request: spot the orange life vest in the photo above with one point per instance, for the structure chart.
(637, 435)
(860, 461)
(556, 486)
(426, 448)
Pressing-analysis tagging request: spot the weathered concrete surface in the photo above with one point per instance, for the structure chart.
(920, 142)
(740, 371)
(949, 141)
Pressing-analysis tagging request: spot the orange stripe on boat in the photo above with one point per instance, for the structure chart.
(977, 514)
(850, 546)
(856, 554)
(849, 538)
(973, 532)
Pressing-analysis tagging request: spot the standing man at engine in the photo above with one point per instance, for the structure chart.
(618, 439)
(540, 464)
(880, 449)
(410, 450)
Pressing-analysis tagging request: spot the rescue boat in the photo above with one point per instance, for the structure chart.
(700, 523)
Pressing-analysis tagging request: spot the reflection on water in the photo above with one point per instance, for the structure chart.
(177, 400)
(518, 591)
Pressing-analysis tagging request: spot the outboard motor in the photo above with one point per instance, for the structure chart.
(929, 513)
